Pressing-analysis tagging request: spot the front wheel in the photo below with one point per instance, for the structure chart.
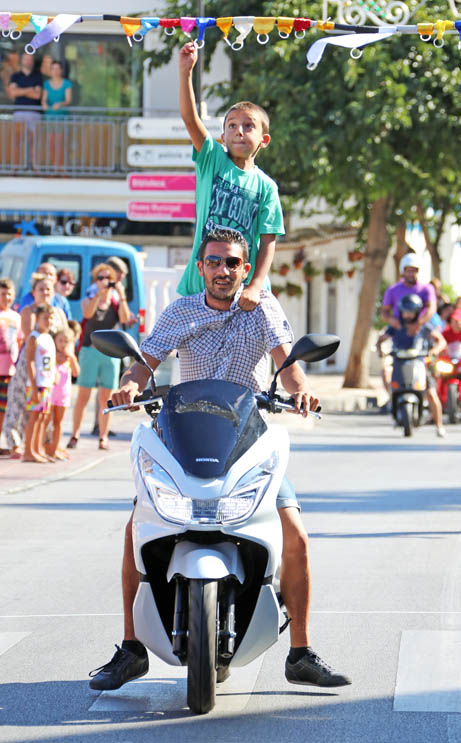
(406, 412)
(202, 645)
(452, 402)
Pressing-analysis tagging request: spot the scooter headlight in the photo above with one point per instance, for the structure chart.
(444, 367)
(173, 506)
(248, 491)
(163, 491)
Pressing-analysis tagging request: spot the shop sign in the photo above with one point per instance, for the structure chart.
(161, 211)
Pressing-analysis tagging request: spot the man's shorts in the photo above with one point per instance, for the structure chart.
(43, 405)
(286, 497)
(95, 367)
(4, 382)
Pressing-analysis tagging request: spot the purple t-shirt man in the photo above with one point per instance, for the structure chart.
(394, 294)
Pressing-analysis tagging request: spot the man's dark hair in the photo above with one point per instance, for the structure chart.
(222, 235)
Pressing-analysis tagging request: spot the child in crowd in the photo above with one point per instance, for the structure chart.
(232, 192)
(67, 367)
(41, 372)
(10, 333)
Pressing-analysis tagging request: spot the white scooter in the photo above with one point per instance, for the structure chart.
(206, 533)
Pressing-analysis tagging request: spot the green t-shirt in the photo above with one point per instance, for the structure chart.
(226, 196)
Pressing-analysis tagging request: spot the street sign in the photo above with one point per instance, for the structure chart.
(157, 155)
(161, 182)
(145, 128)
(160, 211)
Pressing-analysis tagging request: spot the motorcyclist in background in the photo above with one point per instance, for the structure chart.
(425, 338)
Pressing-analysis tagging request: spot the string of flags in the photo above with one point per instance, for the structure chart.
(353, 37)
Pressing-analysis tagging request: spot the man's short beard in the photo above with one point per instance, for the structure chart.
(231, 295)
(411, 280)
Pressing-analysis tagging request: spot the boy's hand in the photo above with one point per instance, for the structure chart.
(249, 298)
(187, 57)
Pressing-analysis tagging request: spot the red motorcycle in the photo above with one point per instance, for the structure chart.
(449, 380)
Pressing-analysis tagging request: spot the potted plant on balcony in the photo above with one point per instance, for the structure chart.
(332, 273)
(293, 290)
(277, 289)
(284, 269)
(351, 271)
(310, 271)
(299, 258)
(355, 255)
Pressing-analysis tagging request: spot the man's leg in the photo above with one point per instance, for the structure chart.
(130, 661)
(295, 575)
(435, 406)
(303, 665)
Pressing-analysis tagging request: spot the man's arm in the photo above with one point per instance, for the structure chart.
(194, 125)
(294, 381)
(249, 298)
(429, 310)
(438, 342)
(387, 316)
(134, 381)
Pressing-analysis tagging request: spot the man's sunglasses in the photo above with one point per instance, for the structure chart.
(232, 261)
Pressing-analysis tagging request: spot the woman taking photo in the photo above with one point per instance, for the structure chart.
(101, 312)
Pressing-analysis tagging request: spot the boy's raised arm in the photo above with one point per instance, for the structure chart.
(194, 125)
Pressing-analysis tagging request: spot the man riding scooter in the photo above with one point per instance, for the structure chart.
(217, 340)
(424, 338)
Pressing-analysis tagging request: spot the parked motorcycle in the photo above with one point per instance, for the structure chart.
(207, 536)
(408, 387)
(448, 368)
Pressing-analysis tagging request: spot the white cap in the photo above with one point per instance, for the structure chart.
(410, 259)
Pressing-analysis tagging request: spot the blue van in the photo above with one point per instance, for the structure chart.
(22, 256)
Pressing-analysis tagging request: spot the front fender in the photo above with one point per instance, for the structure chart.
(210, 562)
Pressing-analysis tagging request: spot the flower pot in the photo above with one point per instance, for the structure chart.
(284, 269)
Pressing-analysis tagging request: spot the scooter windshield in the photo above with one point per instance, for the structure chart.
(208, 424)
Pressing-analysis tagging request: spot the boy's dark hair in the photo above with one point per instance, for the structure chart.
(253, 108)
(221, 235)
(43, 308)
(6, 283)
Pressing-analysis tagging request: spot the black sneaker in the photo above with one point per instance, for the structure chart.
(311, 670)
(124, 666)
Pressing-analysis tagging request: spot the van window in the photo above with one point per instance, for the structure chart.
(12, 266)
(127, 281)
(71, 262)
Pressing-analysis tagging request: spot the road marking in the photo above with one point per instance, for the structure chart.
(164, 689)
(428, 676)
(55, 616)
(120, 614)
(10, 639)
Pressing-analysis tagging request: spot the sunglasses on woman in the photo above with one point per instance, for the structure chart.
(64, 282)
(101, 278)
(232, 261)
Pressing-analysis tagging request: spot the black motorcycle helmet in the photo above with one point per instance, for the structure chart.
(410, 303)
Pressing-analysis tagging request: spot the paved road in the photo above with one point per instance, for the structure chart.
(383, 515)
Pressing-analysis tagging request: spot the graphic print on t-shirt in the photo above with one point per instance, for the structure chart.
(232, 206)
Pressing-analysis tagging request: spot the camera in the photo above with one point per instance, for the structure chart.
(111, 284)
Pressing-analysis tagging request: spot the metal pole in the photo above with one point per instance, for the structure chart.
(199, 65)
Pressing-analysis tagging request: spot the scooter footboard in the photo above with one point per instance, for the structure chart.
(148, 625)
(263, 630)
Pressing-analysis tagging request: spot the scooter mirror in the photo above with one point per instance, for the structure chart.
(309, 348)
(313, 347)
(116, 343)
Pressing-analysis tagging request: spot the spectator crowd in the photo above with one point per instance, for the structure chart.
(42, 349)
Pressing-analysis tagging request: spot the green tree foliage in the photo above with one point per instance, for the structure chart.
(375, 137)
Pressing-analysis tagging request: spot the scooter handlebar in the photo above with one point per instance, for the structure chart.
(145, 398)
